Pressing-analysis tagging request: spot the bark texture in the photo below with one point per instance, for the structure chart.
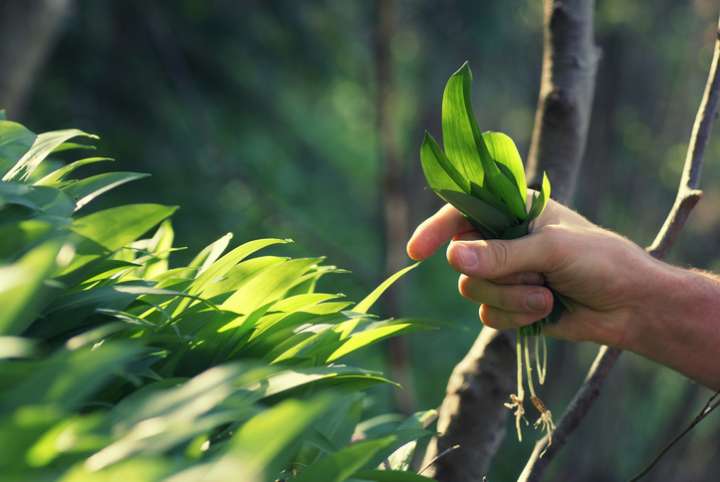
(28, 31)
(472, 414)
(562, 118)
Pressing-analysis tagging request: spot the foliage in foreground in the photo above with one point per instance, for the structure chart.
(115, 364)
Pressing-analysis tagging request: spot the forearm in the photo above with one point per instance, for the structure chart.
(680, 327)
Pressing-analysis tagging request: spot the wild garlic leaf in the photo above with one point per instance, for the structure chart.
(479, 211)
(540, 200)
(457, 127)
(440, 173)
(468, 145)
(503, 150)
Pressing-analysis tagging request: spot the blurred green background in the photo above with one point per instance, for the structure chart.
(261, 118)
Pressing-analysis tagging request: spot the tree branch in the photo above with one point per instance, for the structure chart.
(472, 413)
(562, 118)
(687, 197)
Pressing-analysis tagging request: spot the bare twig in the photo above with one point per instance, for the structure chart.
(712, 403)
(438, 457)
(687, 197)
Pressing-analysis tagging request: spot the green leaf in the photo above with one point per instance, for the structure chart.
(222, 266)
(479, 211)
(344, 463)
(15, 140)
(503, 150)
(205, 258)
(44, 144)
(373, 335)
(116, 227)
(70, 377)
(21, 284)
(160, 246)
(54, 178)
(266, 440)
(439, 171)
(460, 126)
(457, 127)
(85, 190)
(15, 347)
(291, 379)
(540, 200)
(268, 285)
(367, 302)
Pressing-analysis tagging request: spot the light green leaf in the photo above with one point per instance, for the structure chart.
(15, 347)
(205, 258)
(44, 144)
(87, 189)
(15, 140)
(222, 266)
(367, 302)
(116, 227)
(344, 463)
(457, 127)
(503, 150)
(160, 246)
(54, 178)
(268, 285)
(439, 171)
(461, 127)
(373, 335)
(21, 284)
(540, 200)
(265, 441)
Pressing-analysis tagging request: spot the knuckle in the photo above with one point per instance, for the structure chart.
(499, 254)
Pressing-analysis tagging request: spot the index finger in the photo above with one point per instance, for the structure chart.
(435, 231)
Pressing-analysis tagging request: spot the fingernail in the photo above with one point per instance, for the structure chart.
(536, 302)
(466, 256)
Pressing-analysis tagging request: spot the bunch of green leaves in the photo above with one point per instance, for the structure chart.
(116, 364)
(482, 175)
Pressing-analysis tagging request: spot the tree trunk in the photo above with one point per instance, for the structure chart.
(393, 209)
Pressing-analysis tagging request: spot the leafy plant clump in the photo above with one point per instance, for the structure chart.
(116, 364)
(482, 175)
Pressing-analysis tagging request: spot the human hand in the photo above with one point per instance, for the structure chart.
(607, 279)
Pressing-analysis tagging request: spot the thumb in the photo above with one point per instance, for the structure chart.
(496, 258)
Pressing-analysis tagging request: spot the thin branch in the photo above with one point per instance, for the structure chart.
(710, 405)
(687, 197)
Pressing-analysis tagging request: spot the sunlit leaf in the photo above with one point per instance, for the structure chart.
(43, 145)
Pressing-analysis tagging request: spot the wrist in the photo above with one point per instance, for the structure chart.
(677, 327)
(659, 304)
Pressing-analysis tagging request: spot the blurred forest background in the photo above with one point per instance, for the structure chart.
(303, 119)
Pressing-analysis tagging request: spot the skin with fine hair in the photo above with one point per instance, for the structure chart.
(618, 294)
